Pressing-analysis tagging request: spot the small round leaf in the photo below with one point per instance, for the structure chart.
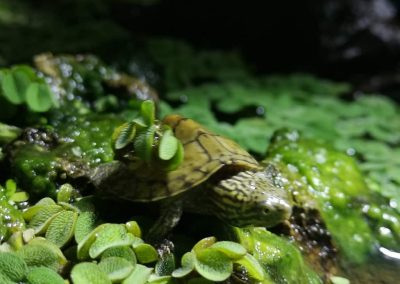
(12, 266)
(230, 249)
(39, 97)
(140, 275)
(44, 275)
(85, 223)
(61, 228)
(213, 265)
(123, 135)
(86, 272)
(168, 145)
(147, 110)
(145, 253)
(117, 268)
(111, 235)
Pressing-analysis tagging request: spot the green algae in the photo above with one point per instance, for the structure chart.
(11, 219)
(83, 142)
(281, 260)
(330, 181)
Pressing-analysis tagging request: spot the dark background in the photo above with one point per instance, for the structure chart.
(351, 40)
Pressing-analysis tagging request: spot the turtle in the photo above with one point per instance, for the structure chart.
(217, 177)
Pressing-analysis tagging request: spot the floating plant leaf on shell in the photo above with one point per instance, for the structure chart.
(123, 135)
(168, 145)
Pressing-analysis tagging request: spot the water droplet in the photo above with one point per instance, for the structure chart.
(260, 110)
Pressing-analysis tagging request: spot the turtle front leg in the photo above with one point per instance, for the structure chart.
(170, 215)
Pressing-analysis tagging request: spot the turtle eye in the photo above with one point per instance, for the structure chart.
(266, 211)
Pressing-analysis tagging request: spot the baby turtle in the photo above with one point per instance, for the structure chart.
(217, 177)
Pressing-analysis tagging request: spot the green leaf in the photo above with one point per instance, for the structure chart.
(15, 85)
(43, 217)
(117, 268)
(168, 145)
(40, 252)
(177, 159)
(32, 211)
(143, 144)
(123, 135)
(203, 244)
(145, 253)
(140, 275)
(213, 265)
(11, 187)
(65, 193)
(339, 280)
(5, 280)
(20, 196)
(61, 228)
(39, 97)
(252, 266)
(123, 251)
(199, 280)
(155, 279)
(147, 110)
(140, 122)
(8, 133)
(88, 273)
(230, 249)
(111, 235)
(85, 223)
(44, 275)
(12, 266)
(187, 262)
(134, 229)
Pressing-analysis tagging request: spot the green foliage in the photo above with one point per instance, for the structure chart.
(11, 219)
(116, 250)
(215, 261)
(254, 109)
(182, 65)
(329, 180)
(20, 84)
(8, 133)
(148, 140)
(44, 275)
(15, 269)
(12, 266)
(280, 259)
(87, 272)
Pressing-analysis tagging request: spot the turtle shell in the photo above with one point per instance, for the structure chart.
(205, 153)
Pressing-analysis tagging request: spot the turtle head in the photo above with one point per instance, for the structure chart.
(251, 198)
